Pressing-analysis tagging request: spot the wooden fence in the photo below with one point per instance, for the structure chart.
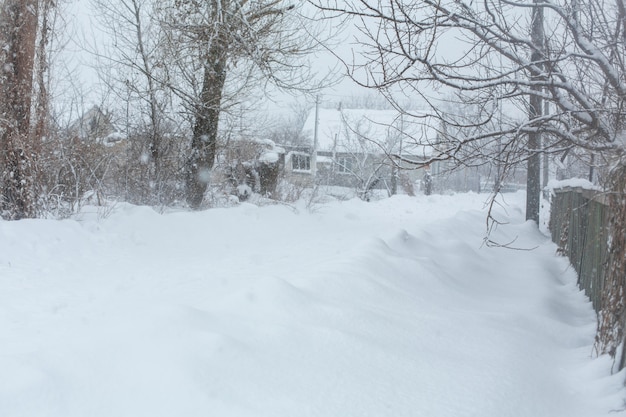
(578, 225)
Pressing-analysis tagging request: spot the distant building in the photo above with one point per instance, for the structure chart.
(360, 148)
(97, 126)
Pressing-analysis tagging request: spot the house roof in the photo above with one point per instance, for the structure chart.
(97, 125)
(371, 131)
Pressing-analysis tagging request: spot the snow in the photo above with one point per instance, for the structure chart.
(390, 308)
(113, 139)
(573, 183)
(269, 157)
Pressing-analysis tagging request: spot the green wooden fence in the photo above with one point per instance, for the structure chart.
(578, 225)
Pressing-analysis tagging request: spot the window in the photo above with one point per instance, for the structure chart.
(345, 164)
(300, 162)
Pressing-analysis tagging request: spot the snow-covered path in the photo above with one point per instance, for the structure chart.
(393, 308)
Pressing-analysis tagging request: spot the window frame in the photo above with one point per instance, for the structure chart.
(300, 162)
(345, 164)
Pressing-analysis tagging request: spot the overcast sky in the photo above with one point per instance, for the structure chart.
(82, 35)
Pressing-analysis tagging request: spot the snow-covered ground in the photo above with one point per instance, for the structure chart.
(392, 308)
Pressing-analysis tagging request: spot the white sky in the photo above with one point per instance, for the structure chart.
(82, 35)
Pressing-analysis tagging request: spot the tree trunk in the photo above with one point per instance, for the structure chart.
(204, 141)
(611, 318)
(533, 179)
(41, 115)
(18, 23)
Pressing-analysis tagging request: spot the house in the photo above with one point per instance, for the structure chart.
(97, 126)
(359, 148)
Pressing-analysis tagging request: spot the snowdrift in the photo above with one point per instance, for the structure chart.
(393, 308)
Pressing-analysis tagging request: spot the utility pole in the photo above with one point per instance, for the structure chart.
(497, 183)
(315, 139)
(546, 157)
(533, 179)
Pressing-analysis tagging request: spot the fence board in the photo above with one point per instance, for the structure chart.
(578, 225)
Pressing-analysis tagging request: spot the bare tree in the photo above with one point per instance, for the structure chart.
(220, 49)
(364, 153)
(134, 69)
(287, 130)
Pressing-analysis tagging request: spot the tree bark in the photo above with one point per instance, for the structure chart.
(204, 140)
(613, 304)
(18, 23)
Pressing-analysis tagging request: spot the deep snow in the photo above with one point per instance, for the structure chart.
(391, 308)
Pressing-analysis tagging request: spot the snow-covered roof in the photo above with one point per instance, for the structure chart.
(372, 131)
(96, 124)
(573, 183)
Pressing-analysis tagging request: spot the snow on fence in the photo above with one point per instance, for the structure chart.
(578, 225)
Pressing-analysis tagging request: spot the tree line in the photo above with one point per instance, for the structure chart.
(194, 63)
(178, 69)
